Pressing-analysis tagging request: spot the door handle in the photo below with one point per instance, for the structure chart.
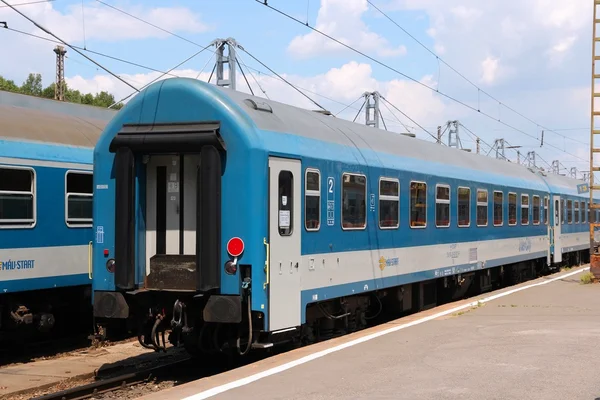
(296, 265)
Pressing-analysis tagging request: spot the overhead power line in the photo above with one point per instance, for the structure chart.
(440, 59)
(89, 51)
(264, 3)
(165, 73)
(196, 44)
(29, 3)
(67, 44)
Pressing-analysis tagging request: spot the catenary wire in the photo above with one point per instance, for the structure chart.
(88, 50)
(165, 73)
(264, 3)
(29, 3)
(467, 79)
(67, 44)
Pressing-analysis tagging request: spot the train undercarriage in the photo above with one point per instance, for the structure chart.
(41, 314)
(182, 316)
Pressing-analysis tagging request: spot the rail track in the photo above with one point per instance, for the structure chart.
(181, 368)
(108, 382)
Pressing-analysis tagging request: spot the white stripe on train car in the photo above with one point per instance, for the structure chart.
(43, 262)
(253, 378)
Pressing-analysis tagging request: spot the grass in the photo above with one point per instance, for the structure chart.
(586, 278)
(479, 304)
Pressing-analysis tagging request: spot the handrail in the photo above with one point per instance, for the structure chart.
(90, 259)
(266, 263)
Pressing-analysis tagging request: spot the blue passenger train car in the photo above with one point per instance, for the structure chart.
(46, 154)
(238, 222)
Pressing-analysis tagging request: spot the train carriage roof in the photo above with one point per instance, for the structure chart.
(30, 118)
(419, 154)
(284, 129)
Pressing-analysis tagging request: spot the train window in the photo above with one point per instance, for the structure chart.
(286, 203)
(498, 208)
(563, 214)
(389, 203)
(464, 207)
(354, 197)
(482, 207)
(312, 200)
(442, 206)
(536, 210)
(583, 212)
(576, 213)
(17, 197)
(512, 209)
(418, 205)
(79, 189)
(570, 211)
(546, 210)
(524, 209)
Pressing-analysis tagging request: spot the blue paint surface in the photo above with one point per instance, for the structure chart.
(50, 228)
(45, 152)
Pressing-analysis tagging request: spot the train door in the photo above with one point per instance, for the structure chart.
(285, 229)
(171, 205)
(556, 228)
(162, 206)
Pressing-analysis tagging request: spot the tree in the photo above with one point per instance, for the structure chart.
(33, 86)
(8, 85)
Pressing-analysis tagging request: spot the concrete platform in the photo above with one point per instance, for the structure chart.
(19, 378)
(538, 340)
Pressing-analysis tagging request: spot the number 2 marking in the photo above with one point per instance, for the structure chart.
(330, 183)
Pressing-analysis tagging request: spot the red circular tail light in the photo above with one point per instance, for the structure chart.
(235, 246)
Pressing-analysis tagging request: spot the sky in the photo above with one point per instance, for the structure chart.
(504, 69)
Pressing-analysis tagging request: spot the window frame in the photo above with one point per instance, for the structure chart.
(458, 207)
(481, 204)
(387, 198)
(569, 212)
(342, 202)
(410, 205)
(442, 201)
(546, 216)
(22, 224)
(494, 207)
(69, 221)
(540, 206)
(311, 192)
(576, 214)
(528, 207)
(292, 226)
(516, 208)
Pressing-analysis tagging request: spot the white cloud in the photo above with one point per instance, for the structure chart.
(489, 67)
(524, 36)
(106, 24)
(342, 19)
(29, 54)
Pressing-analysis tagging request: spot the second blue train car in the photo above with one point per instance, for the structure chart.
(46, 153)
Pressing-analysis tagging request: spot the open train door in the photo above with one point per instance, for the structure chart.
(285, 228)
(556, 229)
